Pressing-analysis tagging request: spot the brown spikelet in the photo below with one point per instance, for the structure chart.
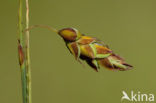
(86, 40)
(74, 48)
(68, 34)
(87, 51)
(114, 62)
(101, 49)
(105, 62)
(21, 54)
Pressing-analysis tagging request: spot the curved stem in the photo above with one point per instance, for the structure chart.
(41, 26)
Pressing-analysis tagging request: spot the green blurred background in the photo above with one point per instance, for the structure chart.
(127, 26)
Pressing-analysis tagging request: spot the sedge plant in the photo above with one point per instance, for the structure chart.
(84, 48)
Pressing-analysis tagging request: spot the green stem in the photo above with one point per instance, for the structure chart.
(24, 54)
(20, 27)
(21, 53)
(24, 84)
(28, 55)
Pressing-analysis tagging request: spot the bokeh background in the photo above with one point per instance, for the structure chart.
(127, 26)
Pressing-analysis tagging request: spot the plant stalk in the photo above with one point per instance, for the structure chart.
(21, 52)
(28, 68)
(24, 54)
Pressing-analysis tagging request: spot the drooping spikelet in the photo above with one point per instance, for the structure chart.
(92, 50)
